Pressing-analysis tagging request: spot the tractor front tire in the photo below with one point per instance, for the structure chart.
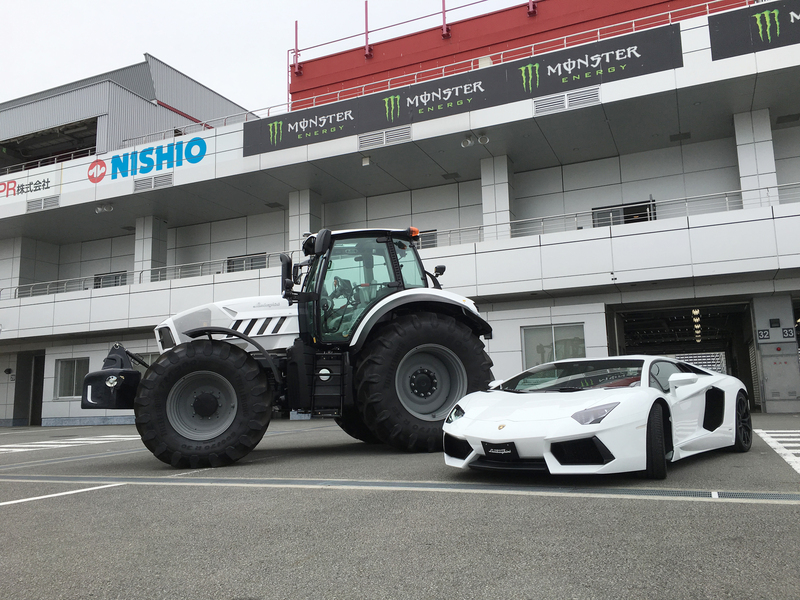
(205, 403)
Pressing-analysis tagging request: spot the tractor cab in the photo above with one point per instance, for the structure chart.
(346, 275)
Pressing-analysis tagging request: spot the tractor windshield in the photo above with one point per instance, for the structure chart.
(359, 273)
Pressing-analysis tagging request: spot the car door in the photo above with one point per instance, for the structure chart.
(687, 403)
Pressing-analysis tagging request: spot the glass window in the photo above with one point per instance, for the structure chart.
(359, 274)
(579, 375)
(660, 372)
(69, 376)
(410, 266)
(552, 342)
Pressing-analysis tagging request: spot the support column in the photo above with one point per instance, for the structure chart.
(305, 216)
(150, 249)
(757, 175)
(779, 369)
(497, 195)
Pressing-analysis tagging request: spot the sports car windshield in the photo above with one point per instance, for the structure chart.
(574, 376)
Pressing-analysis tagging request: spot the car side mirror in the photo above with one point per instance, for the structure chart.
(495, 384)
(439, 270)
(677, 380)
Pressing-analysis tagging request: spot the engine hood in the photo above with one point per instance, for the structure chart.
(498, 405)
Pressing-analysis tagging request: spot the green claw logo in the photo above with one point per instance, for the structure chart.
(392, 104)
(764, 21)
(527, 76)
(275, 132)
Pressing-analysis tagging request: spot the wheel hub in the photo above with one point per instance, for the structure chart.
(205, 404)
(423, 383)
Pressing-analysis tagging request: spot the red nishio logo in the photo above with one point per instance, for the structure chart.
(97, 170)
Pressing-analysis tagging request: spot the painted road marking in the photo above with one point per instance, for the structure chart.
(65, 443)
(356, 485)
(785, 442)
(20, 501)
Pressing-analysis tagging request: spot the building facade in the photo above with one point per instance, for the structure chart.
(601, 180)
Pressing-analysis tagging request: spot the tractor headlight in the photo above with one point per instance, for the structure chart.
(592, 416)
(455, 414)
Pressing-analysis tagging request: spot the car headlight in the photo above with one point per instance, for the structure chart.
(455, 414)
(592, 416)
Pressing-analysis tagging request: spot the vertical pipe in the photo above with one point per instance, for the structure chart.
(445, 27)
(367, 48)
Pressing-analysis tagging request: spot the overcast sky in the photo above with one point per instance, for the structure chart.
(235, 47)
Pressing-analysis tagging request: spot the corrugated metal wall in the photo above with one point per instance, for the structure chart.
(129, 117)
(136, 78)
(184, 93)
(64, 108)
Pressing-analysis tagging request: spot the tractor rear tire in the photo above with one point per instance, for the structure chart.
(353, 425)
(205, 403)
(412, 373)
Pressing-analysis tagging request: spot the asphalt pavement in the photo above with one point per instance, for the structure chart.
(89, 513)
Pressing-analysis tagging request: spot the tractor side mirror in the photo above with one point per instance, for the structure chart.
(287, 277)
(323, 242)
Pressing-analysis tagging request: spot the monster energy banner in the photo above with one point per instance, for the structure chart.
(641, 53)
(759, 27)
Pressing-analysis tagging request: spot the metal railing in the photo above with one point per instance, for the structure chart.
(50, 160)
(619, 215)
(465, 66)
(111, 280)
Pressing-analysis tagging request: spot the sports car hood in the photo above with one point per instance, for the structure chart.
(498, 405)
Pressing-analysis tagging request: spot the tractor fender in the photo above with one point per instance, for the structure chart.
(424, 296)
(209, 331)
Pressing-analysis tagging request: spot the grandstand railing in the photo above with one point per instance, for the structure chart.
(651, 210)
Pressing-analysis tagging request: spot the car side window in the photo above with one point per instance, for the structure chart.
(660, 372)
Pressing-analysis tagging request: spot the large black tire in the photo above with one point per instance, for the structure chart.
(656, 451)
(205, 403)
(353, 425)
(411, 374)
(744, 424)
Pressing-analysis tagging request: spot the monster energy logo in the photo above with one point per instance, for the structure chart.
(764, 21)
(392, 105)
(527, 76)
(275, 132)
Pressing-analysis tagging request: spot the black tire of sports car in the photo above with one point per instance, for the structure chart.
(353, 425)
(744, 424)
(656, 451)
(411, 374)
(205, 403)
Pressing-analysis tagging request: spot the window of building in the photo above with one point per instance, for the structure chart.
(69, 376)
(552, 342)
(148, 357)
(247, 262)
(104, 280)
(623, 213)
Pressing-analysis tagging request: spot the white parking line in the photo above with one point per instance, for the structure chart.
(785, 442)
(65, 443)
(101, 487)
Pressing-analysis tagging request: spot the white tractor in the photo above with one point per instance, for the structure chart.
(370, 340)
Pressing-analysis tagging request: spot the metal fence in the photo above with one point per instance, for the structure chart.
(110, 280)
(619, 215)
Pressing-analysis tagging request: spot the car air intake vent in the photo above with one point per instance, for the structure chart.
(456, 447)
(588, 451)
(42, 204)
(387, 137)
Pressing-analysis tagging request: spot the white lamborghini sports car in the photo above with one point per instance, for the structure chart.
(599, 415)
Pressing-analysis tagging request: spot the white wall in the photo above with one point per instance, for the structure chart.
(85, 259)
(452, 206)
(786, 146)
(688, 170)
